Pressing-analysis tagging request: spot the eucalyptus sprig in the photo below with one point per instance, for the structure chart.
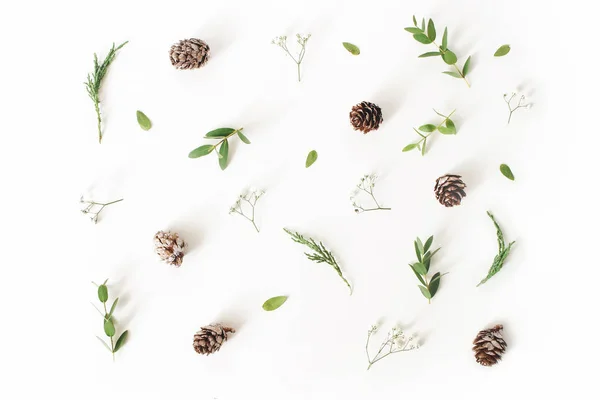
(221, 134)
(366, 185)
(94, 209)
(320, 253)
(250, 199)
(503, 252)
(446, 127)
(301, 40)
(108, 322)
(421, 268)
(395, 342)
(94, 82)
(508, 100)
(427, 35)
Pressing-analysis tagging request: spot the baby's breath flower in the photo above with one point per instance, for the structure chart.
(281, 41)
(251, 199)
(508, 99)
(366, 185)
(394, 343)
(94, 208)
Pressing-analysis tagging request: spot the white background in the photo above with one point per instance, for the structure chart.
(312, 347)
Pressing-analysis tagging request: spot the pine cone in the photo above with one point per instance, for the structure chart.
(489, 346)
(449, 190)
(209, 339)
(366, 117)
(189, 53)
(170, 247)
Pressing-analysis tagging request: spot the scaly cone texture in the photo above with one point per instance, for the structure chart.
(209, 339)
(449, 190)
(169, 247)
(189, 54)
(489, 346)
(366, 117)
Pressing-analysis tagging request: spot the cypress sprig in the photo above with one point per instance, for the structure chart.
(503, 252)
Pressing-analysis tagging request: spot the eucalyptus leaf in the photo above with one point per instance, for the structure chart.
(505, 169)
(446, 131)
(104, 343)
(430, 54)
(103, 293)
(427, 128)
(112, 308)
(109, 327)
(224, 153)
(449, 57)
(417, 274)
(415, 20)
(143, 120)
(409, 147)
(420, 268)
(219, 133)
(413, 30)
(434, 284)
(243, 137)
(425, 292)
(311, 158)
(420, 245)
(121, 341)
(502, 50)
(445, 39)
(430, 255)
(274, 303)
(465, 70)
(428, 244)
(452, 73)
(201, 151)
(418, 252)
(431, 30)
(422, 38)
(423, 24)
(354, 50)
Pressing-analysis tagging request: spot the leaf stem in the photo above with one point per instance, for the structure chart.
(228, 136)
(99, 118)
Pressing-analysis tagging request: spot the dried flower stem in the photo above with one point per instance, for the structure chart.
(90, 206)
(367, 183)
(281, 41)
(519, 105)
(251, 199)
(395, 342)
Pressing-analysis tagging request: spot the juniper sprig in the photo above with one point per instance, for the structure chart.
(503, 252)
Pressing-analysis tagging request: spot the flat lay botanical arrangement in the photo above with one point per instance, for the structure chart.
(366, 123)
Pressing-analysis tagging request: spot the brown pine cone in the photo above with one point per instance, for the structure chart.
(209, 339)
(189, 54)
(489, 346)
(366, 117)
(449, 190)
(169, 247)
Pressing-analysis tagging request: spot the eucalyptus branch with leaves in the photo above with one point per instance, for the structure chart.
(395, 342)
(427, 35)
(320, 253)
(222, 134)
(301, 40)
(250, 199)
(446, 127)
(503, 252)
(108, 323)
(429, 287)
(92, 208)
(94, 82)
(366, 185)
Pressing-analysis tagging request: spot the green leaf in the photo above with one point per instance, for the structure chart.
(502, 50)
(224, 153)
(418, 251)
(449, 57)
(413, 30)
(143, 120)
(452, 73)
(121, 340)
(431, 30)
(423, 24)
(430, 54)
(415, 20)
(104, 343)
(109, 327)
(417, 274)
(427, 128)
(219, 133)
(424, 146)
(465, 70)
(409, 147)
(427, 263)
(201, 151)
(505, 169)
(425, 292)
(429, 256)
(428, 243)
(354, 50)
(434, 284)
(449, 129)
(243, 137)
(420, 37)
(103, 293)
(420, 268)
(311, 158)
(420, 244)
(112, 308)
(274, 303)
(445, 39)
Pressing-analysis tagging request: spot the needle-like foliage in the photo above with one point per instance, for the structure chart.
(503, 252)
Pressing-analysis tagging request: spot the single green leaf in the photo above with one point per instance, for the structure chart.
(434, 284)
(109, 327)
(143, 120)
(201, 151)
(424, 146)
(428, 243)
(445, 39)
(505, 169)
(413, 30)
(311, 158)
(427, 128)
(415, 20)
(224, 153)
(465, 70)
(420, 37)
(449, 57)
(409, 147)
(121, 340)
(274, 303)
(425, 292)
(243, 137)
(423, 24)
(417, 274)
(103, 293)
(430, 54)
(502, 50)
(427, 263)
(431, 30)
(219, 133)
(420, 268)
(418, 251)
(446, 131)
(354, 50)
(420, 244)
(112, 308)
(104, 343)
(452, 73)
(429, 256)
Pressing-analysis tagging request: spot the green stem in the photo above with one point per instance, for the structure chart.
(454, 65)
(228, 136)
(99, 117)
(298, 72)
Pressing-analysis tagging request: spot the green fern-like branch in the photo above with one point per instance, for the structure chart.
(503, 252)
